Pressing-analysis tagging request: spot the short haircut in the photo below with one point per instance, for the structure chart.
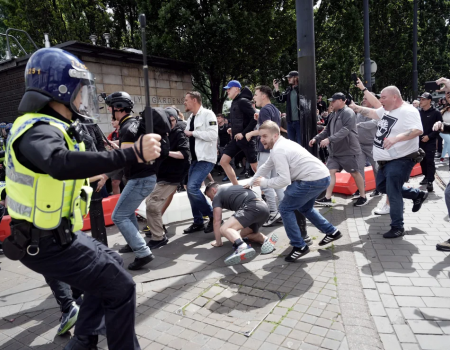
(393, 90)
(195, 95)
(265, 90)
(219, 115)
(212, 184)
(271, 126)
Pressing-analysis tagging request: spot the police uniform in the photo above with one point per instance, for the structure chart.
(48, 195)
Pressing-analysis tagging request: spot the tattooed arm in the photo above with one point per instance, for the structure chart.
(405, 136)
(367, 112)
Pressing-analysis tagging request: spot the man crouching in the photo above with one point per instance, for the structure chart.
(251, 212)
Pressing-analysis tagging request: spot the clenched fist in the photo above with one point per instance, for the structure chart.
(151, 147)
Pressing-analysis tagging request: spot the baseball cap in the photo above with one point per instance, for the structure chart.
(232, 83)
(291, 74)
(338, 96)
(171, 112)
(426, 95)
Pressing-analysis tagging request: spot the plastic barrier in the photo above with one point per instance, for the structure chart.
(346, 185)
(108, 207)
(5, 230)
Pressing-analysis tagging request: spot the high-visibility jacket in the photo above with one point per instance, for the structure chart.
(39, 198)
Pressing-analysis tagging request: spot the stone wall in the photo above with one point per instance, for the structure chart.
(167, 87)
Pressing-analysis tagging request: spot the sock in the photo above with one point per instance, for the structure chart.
(237, 243)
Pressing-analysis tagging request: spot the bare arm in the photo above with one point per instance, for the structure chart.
(408, 135)
(368, 95)
(366, 112)
(217, 214)
(176, 155)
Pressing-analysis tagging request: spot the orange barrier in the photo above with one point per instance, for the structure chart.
(346, 185)
(5, 230)
(108, 207)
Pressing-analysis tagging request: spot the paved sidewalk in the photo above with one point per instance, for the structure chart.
(362, 292)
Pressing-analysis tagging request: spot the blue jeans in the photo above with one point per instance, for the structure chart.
(446, 148)
(197, 174)
(135, 191)
(390, 180)
(293, 130)
(300, 195)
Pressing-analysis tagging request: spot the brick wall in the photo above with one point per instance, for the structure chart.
(167, 87)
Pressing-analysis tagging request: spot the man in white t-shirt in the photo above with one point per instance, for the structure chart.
(395, 145)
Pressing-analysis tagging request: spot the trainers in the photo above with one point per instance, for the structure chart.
(125, 249)
(225, 179)
(437, 155)
(139, 263)
(308, 240)
(157, 244)
(297, 253)
(419, 201)
(360, 202)
(375, 194)
(147, 231)
(444, 246)
(325, 202)
(394, 233)
(269, 244)
(194, 228)
(356, 195)
(272, 219)
(209, 227)
(385, 209)
(82, 342)
(241, 253)
(430, 187)
(68, 319)
(424, 181)
(331, 238)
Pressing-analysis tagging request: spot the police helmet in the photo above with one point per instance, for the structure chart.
(120, 100)
(52, 74)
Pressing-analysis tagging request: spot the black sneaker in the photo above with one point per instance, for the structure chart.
(297, 253)
(147, 231)
(331, 238)
(424, 181)
(157, 244)
(82, 342)
(430, 187)
(194, 228)
(375, 194)
(139, 263)
(308, 240)
(324, 202)
(243, 172)
(418, 202)
(437, 155)
(247, 175)
(360, 202)
(356, 195)
(444, 246)
(164, 228)
(209, 227)
(394, 233)
(126, 249)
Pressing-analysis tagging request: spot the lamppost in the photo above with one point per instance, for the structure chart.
(367, 63)
(415, 73)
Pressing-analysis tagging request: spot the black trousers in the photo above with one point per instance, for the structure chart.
(109, 302)
(64, 294)
(427, 164)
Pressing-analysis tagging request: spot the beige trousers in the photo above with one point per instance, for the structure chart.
(155, 202)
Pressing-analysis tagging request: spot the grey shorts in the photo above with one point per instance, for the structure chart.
(253, 214)
(116, 175)
(348, 163)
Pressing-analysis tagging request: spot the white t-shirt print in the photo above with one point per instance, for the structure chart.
(391, 124)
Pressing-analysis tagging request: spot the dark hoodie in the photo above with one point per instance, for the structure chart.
(242, 113)
(174, 170)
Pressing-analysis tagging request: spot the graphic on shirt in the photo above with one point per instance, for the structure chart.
(384, 129)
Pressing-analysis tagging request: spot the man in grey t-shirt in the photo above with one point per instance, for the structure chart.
(251, 212)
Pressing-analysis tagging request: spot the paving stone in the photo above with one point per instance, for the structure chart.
(330, 344)
(390, 342)
(319, 331)
(432, 342)
(424, 327)
(282, 330)
(275, 339)
(404, 334)
(383, 324)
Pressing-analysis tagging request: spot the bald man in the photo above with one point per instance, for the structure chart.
(395, 148)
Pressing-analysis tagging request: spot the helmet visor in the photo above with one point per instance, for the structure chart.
(84, 100)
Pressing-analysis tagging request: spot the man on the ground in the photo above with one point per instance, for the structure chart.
(305, 177)
(251, 212)
(202, 132)
(395, 148)
(341, 138)
(242, 122)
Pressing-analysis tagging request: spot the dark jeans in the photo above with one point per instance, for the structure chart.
(294, 132)
(427, 164)
(109, 290)
(390, 180)
(64, 294)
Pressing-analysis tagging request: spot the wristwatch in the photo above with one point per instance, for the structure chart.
(365, 89)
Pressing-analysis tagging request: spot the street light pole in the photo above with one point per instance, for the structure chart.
(367, 64)
(306, 72)
(415, 72)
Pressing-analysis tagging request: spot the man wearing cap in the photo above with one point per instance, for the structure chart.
(341, 137)
(290, 96)
(429, 115)
(242, 122)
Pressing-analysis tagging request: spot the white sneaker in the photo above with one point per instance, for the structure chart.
(385, 209)
(272, 219)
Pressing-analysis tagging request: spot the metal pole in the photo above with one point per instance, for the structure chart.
(306, 72)
(367, 64)
(147, 111)
(415, 72)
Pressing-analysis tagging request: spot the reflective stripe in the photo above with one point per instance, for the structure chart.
(18, 208)
(19, 178)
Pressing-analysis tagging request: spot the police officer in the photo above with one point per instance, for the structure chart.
(46, 172)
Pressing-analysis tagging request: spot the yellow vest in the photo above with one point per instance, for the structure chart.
(39, 198)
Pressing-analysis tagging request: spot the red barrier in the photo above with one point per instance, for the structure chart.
(5, 230)
(108, 207)
(346, 185)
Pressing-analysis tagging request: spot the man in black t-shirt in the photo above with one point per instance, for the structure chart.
(224, 139)
(251, 212)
